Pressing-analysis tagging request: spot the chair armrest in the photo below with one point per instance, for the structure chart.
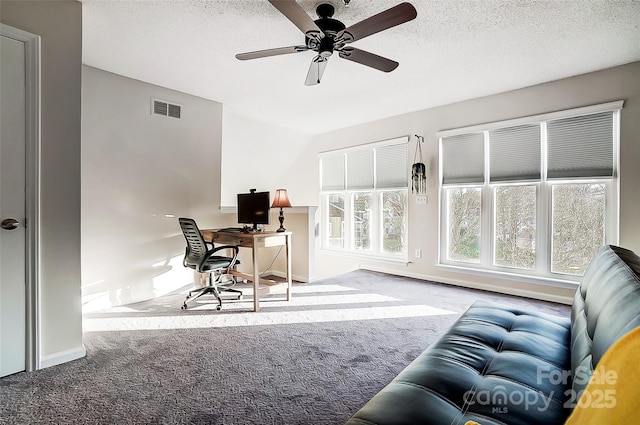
(234, 248)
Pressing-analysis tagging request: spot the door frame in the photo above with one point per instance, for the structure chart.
(32, 191)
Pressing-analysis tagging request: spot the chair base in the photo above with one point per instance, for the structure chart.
(209, 289)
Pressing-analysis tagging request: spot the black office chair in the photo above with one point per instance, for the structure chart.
(199, 257)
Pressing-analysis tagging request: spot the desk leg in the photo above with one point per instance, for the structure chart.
(256, 279)
(288, 253)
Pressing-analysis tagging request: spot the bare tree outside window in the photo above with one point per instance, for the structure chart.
(464, 224)
(578, 226)
(362, 221)
(393, 221)
(515, 226)
(336, 221)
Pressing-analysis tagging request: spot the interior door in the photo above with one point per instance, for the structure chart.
(12, 206)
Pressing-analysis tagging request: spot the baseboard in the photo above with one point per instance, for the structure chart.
(62, 357)
(568, 300)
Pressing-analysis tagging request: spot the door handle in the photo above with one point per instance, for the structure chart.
(9, 224)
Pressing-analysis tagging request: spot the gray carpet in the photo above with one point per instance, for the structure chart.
(312, 362)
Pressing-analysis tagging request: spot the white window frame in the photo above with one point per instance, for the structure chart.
(541, 272)
(376, 250)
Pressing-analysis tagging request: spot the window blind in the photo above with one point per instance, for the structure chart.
(360, 169)
(332, 170)
(581, 146)
(515, 153)
(391, 166)
(463, 159)
(376, 166)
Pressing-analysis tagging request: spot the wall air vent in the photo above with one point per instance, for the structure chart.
(174, 110)
(166, 109)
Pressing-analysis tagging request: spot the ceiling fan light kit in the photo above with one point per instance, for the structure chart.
(326, 35)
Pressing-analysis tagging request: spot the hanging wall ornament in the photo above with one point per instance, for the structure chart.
(418, 169)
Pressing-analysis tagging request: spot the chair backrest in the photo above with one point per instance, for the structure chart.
(196, 246)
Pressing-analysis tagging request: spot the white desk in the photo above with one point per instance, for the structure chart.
(255, 241)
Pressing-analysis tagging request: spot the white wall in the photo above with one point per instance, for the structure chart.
(269, 157)
(140, 172)
(265, 157)
(612, 84)
(59, 23)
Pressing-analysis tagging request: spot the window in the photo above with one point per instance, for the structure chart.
(364, 198)
(362, 203)
(578, 225)
(515, 226)
(536, 195)
(336, 220)
(394, 218)
(463, 235)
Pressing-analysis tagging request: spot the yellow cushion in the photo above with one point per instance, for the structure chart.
(612, 395)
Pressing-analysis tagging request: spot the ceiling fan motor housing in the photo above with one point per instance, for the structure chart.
(329, 26)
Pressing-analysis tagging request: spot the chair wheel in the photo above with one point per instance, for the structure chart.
(184, 306)
(218, 307)
(239, 297)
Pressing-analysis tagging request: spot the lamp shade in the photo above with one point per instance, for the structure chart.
(281, 199)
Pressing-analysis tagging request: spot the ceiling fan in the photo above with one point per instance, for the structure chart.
(327, 35)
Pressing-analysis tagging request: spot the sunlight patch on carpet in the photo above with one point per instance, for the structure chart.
(184, 320)
(208, 303)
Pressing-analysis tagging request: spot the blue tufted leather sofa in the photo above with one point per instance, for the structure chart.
(504, 365)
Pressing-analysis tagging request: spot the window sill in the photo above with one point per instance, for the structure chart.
(377, 258)
(520, 277)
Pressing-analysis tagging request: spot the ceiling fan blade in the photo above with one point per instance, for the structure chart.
(296, 14)
(271, 52)
(384, 20)
(318, 64)
(369, 59)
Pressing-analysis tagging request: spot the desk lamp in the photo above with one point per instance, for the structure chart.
(281, 200)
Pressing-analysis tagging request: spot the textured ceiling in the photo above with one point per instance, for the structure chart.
(454, 50)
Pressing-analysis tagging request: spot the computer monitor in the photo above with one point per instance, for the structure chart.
(253, 208)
